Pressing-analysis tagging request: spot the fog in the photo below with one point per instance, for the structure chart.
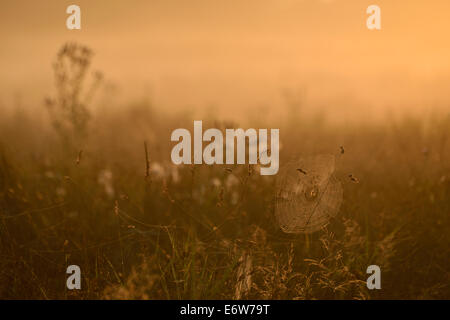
(236, 57)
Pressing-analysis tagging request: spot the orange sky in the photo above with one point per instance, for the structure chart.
(238, 54)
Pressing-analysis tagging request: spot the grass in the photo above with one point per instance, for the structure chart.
(142, 228)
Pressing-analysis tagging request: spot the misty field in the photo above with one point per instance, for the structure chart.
(89, 184)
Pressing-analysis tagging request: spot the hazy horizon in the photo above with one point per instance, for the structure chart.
(237, 56)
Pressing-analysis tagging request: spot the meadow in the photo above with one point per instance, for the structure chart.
(89, 184)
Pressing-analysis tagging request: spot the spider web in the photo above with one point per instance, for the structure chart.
(308, 194)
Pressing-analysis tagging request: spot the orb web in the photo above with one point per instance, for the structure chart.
(308, 194)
